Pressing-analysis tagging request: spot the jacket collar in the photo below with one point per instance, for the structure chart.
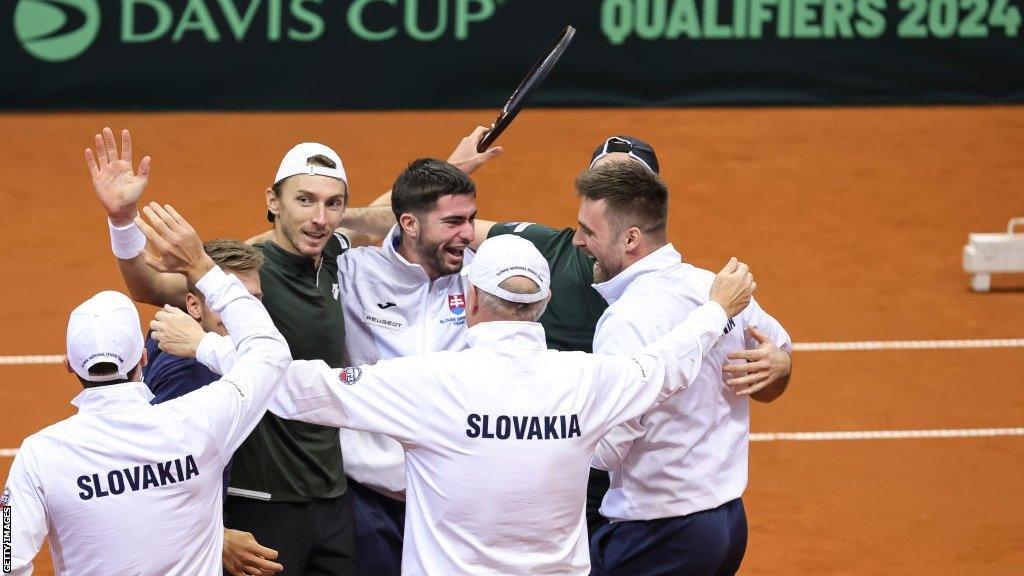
(506, 334)
(660, 259)
(408, 269)
(113, 397)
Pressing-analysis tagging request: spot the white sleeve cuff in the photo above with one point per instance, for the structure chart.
(208, 351)
(126, 242)
(212, 281)
(715, 313)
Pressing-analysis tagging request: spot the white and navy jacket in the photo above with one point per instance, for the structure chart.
(125, 487)
(690, 453)
(392, 310)
(499, 437)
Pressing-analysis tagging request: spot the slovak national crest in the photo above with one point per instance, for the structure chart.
(457, 303)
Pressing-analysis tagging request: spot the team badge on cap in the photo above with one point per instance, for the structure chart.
(350, 375)
(457, 303)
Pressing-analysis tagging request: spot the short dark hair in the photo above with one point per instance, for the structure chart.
(425, 180)
(633, 195)
(232, 256)
(317, 160)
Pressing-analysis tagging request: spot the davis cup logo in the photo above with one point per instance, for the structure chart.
(456, 303)
(56, 30)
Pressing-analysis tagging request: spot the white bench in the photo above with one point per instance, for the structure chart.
(986, 254)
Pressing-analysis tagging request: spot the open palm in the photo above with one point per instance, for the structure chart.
(117, 186)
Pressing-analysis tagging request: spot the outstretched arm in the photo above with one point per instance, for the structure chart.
(481, 228)
(232, 406)
(672, 362)
(365, 225)
(179, 334)
(118, 188)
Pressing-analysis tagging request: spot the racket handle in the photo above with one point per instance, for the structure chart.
(489, 137)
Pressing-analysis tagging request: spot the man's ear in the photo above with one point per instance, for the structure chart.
(472, 299)
(136, 375)
(67, 365)
(344, 200)
(410, 225)
(633, 236)
(193, 306)
(273, 202)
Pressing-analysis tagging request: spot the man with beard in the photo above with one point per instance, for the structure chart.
(288, 489)
(677, 473)
(403, 298)
(499, 436)
(570, 318)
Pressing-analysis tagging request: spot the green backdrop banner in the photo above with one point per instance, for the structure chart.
(364, 54)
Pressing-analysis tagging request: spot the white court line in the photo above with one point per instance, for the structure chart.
(908, 345)
(21, 360)
(884, 434)
(799, 347)
(838, 435)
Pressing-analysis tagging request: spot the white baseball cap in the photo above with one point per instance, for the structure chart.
(502, 257)
(104, 328)
(296, 162)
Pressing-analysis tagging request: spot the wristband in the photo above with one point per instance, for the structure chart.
(126, 242)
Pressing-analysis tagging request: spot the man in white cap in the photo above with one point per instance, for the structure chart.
(499, 437)
(129, 487)
(404, 297)
(401, 299)
(571, 318)
(287, 487)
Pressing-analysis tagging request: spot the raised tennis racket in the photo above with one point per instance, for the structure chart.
(527, 87)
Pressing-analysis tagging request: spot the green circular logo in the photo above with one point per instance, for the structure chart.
(56, 30)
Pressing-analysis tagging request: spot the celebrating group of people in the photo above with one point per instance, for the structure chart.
(463, 397)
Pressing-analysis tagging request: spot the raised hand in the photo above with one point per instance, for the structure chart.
(733, 287)
(117, 186)
(178, 246)
(466, 158)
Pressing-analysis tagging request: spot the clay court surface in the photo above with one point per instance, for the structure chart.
(853, 221)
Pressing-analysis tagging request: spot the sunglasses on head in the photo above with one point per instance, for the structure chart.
(616, 144)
